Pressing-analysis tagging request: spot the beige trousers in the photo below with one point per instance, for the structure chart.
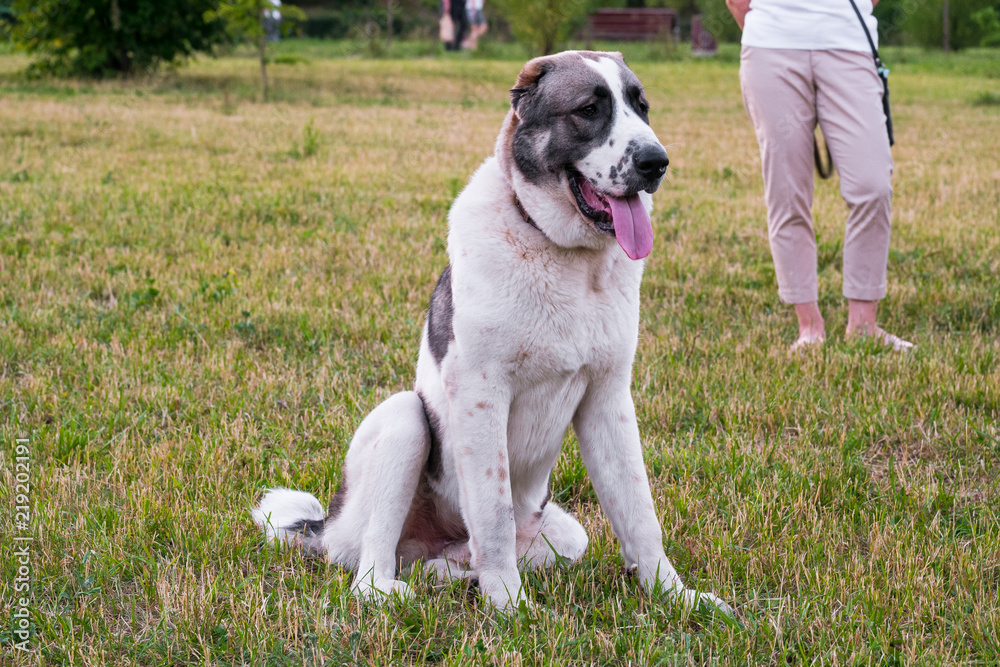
(786, 92)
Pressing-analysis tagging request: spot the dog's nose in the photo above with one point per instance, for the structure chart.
(651, 161)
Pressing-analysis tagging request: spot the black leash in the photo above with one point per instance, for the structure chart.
(826, 170)
(883, 73)
(823, 168)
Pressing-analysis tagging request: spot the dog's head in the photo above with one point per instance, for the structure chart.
(578, 128)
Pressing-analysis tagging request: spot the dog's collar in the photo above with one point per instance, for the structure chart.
(524, 214)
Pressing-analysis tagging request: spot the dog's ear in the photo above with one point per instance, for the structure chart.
(521, 95)
(527, 80)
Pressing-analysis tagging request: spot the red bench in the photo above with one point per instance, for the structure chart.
(631, 24)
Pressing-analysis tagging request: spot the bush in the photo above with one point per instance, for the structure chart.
(342, 19)
(338, 23)
(919, 22)
(545, 24)
(6, 19)
(988, 20)
(101, 38)
(719, 21)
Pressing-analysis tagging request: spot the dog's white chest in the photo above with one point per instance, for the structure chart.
(570, 331)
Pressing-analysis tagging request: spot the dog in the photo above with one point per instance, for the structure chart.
(532, 327)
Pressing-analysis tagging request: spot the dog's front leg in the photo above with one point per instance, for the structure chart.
(606, 428)
(478, 436)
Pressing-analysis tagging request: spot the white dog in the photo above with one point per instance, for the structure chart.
(531, 328)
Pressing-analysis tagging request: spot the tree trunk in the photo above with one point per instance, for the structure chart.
(550, 28)
(262, 52)
(389, 6)
(124, 63)
(946, 28)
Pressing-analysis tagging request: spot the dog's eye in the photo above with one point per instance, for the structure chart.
(588, 111)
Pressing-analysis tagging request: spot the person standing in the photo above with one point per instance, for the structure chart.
(477, 23)
(804, 63)
(460, 18)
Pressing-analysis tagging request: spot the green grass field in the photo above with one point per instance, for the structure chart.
(202, 295)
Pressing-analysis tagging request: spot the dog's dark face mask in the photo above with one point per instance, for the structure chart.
(580, 119)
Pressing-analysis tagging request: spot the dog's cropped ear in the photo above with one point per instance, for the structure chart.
(527, 80)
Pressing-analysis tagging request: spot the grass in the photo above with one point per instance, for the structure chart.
(202, 296)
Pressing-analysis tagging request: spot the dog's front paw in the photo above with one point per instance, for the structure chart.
(505, 594)
(698, 600)
(378, 589)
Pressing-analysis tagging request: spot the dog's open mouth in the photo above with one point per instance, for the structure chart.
(625, 217)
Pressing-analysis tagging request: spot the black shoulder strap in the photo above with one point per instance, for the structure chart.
(871, 42)
(883, 73)
(826, 169)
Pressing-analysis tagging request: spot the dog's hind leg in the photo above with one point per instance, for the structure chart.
(446, 569)
(556, 535)
(381, 472)
(453, 562)
(552, 535)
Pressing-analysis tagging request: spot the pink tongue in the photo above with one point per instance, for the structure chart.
(633, 228)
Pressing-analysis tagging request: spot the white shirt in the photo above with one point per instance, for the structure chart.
(809, 25)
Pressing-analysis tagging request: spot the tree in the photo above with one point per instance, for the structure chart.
(250, 20)
(107, 37)
(927, 23)
(715, 16)
(6, 14)
(544, 24)
(988, 20)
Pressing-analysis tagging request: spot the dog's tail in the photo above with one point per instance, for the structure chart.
(295, 518)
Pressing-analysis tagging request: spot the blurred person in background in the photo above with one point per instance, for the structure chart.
(460, 20)
(477, 21)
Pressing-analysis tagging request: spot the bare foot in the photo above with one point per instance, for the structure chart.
(861, 322)
(883, 336)
(812, 329)
(805, 342)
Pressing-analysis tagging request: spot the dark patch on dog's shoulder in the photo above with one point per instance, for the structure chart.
(434, 467)
(439, 328)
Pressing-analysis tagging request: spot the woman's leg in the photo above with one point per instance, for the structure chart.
(779, 97)
(812, 328)
(849, 106)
